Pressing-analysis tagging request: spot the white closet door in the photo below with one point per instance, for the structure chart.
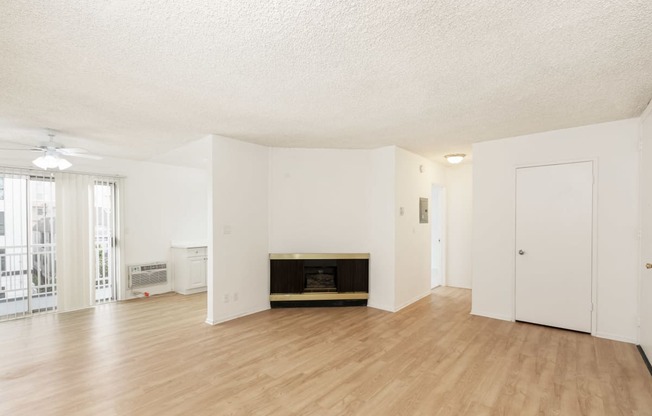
(554, 237)
(646, 242)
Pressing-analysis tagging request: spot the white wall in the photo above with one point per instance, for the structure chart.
(162, 203)
(413, 239)
(615, 147)
(459, 201)
(318, 200)
(240, 233)
(382, 230)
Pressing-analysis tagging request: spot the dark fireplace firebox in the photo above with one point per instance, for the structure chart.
(320, 276)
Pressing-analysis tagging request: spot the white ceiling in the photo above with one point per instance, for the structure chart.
(138, 78)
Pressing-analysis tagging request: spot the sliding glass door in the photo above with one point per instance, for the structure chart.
(42, 244)
(27, 244)
(105, 240)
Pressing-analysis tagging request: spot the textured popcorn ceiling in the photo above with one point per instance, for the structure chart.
(138, 78)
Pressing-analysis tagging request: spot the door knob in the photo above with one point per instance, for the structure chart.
(521, 252)
(648, 265)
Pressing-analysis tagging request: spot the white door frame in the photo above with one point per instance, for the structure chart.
(594, 243)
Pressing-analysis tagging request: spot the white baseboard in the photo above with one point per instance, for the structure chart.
(235, 316)
(77, 309)
(138, 294)
(380, 306)
(411, 301)
(615, 337)
(458, 286)
(191, 291)
(492, 315)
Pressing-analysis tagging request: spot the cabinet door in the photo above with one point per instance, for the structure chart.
(197, 272)
(353, 275)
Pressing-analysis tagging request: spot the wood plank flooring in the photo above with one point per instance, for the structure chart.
(156, 356)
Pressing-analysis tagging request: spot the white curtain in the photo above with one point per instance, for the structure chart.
(74, 235)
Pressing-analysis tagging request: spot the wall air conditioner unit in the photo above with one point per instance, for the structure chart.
(150, 274)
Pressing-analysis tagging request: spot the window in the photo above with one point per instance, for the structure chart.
(2, 223)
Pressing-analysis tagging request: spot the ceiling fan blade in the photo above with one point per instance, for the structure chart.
(20, 146)
(49, 147)
(34, 149)
(84, 156)
(71, 151)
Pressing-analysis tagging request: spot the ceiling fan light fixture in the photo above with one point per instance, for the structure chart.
(51, 160)
(64, 164)
(455, 158)
(39, 162)
(45, 162)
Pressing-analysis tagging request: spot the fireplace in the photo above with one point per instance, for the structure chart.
(320, 276)
(318, 279)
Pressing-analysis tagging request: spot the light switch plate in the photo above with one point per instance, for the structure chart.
(423, 210)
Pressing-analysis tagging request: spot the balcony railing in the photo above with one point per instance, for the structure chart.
(27, 280)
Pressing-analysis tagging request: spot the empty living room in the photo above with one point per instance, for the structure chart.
(326, 208)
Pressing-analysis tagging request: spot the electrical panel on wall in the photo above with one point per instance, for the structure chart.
(423, 210)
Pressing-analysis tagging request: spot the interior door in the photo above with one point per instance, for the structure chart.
(436, 225)
(554, 238)
(645, 336)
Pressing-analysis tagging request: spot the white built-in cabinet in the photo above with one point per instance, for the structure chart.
(190, 266)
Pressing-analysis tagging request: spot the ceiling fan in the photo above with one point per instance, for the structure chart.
(52, 154)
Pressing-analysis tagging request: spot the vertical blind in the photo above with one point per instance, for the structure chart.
(73, 239)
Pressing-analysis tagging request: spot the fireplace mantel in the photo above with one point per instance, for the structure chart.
(319, 279)
(318, 256)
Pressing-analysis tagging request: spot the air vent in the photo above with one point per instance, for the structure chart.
(145, 275)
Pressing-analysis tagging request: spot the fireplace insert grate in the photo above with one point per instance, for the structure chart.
(320, 279)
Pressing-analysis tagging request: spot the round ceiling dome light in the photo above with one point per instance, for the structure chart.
(455, 158)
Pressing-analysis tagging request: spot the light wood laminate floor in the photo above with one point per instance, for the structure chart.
(157, 357)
